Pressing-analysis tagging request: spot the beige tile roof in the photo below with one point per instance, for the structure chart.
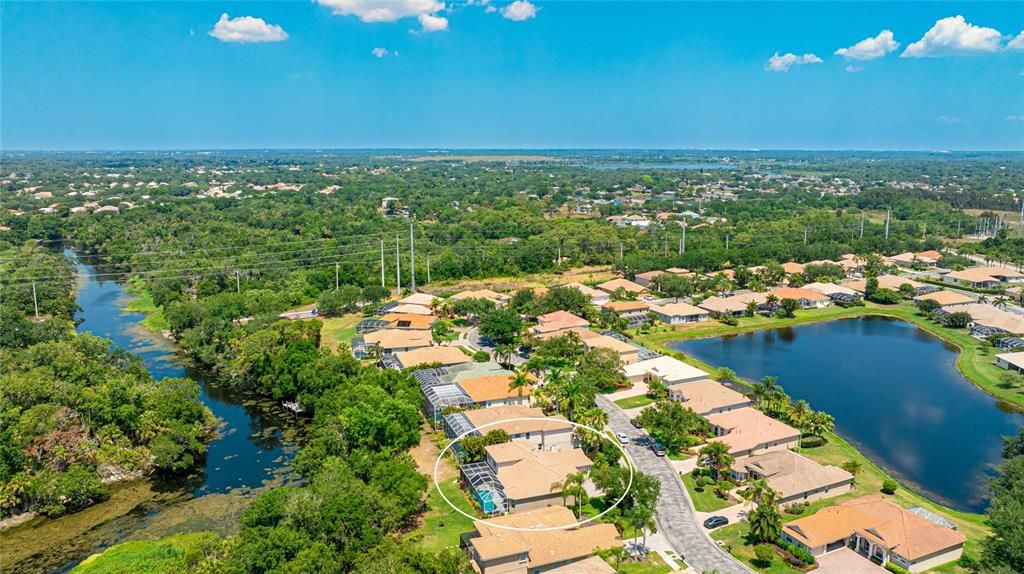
(678, 310)
(798, 293)
(749, 428)
(544, 546)
(669, 369)
(412, 309)
(829, 288)
(975, 274)
(536, 471)
(677, 270)
(606, 342)
(946, 297)
(588, 291)
(903, 532)
(502, 417)
(793, 267)
(991, 316)
(399, 339)
(733, 303)
(791, 474)
(591, 565)
(431, 355)
(629, 286)
(482, 294)
(490, 388)
(650, 275)
(1016, 358)
(424, 299)
(705, 396)
(885, 282)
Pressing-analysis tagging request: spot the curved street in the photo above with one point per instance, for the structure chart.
(677, 520)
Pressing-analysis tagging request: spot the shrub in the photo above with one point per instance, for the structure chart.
(889, 486)
(764, 554)
(481, 357)
(967, 562)
(800, 554)
(796, 508)
(892, 567)
(729, 320)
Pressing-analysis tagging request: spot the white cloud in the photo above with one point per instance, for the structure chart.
(519, 10)
(853, 69)
(383, 10)
(431, 23)
(246, 29)
(948, 119)
(782, 63)
(1015, 118)
(379, 52)
(1017, 43)
(490, 9)
(954, 35)
(870, 48)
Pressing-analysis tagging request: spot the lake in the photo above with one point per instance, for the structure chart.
(256, 442)
(894, 391)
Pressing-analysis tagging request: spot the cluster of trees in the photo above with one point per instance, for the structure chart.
(773, 400)
(673, 425)
(1003, 551)
(77, 415)
(20, 293)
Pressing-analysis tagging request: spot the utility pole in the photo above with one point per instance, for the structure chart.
(665, 245)
(888, 215)
(925, 234)
(238, 282)
(336, 266)
(862, 225)
(412, 257)
(726, 241)
(958, 228)
(398, 267)
(382, 263)
(620, 252)
(559, 252)
(35, 300)
(428, 270)
(805, 235)
(682, 240)
(1020, 221)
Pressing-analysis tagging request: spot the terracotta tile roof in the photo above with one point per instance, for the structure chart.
(558, 321)
(490, 388)
(678, 310)
(626, 306)
(895, 528)
(545, 547)
(409, 321)
(798, 293)
(793, 267)
(650, 275)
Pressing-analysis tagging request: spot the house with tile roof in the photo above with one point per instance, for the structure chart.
(794, 477)
(984, 277)
(706, 397)
(879, 530)
(624, 284)
(524, 542)
(748, 431)
(679, 313)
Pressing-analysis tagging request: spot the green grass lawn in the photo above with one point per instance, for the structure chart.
(142, 302)
(634, 402)
(653, 565)
(166, 556)
(441, 525)
(735, 537)
(337, 330)
(703, 501)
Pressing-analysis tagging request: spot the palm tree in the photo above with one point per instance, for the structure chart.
(504, 351)
(641, 519)
(715, 455)
(765, 520)
(572, 485)
(618, 553)
(820, 423)
(800, 415)
(574, 393)
(519, 381)
(764, 388)
(593, 418)
(755, 491)
(724, 374)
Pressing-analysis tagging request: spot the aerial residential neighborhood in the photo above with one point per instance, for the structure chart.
(511, 287)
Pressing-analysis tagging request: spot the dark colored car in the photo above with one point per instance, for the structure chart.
(715, 522)
(657, 448)
(636, 423)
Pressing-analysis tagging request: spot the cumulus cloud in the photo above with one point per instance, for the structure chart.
(782, 63)
(853, 69)
(246, 29)
(1015, 118)
(382, 10)
(519, 10)
(870, 48)
(379, 52)
(432, 23)
(954, 35)
(1017, 43)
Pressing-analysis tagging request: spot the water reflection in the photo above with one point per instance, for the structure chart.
(255, 445)
(895, 394)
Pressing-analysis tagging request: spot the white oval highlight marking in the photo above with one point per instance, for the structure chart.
(625, 455)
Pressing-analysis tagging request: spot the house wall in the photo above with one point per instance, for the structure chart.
(937, 559)
(551, 499)
(816, 494)
(681, 319)
(506, 565)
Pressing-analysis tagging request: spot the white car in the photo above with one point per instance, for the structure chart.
(622, 437)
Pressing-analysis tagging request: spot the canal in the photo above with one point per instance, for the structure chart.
(255, 443)
(894, 391)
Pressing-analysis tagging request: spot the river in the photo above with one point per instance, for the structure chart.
(894, 391)
(255, 443)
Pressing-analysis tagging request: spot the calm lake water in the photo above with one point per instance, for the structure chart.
(255, 444)
(895, 394)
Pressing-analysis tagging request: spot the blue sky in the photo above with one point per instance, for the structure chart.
(135, 75)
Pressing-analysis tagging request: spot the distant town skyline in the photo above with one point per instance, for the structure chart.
(417, 74)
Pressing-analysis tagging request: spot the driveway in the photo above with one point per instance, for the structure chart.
(677, 520)
(846, 561)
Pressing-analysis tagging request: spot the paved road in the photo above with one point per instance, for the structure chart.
(676, 518)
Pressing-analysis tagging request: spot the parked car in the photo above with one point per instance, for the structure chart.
(623, 439)
(657, 448)
(636, 423)
(715, 522)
